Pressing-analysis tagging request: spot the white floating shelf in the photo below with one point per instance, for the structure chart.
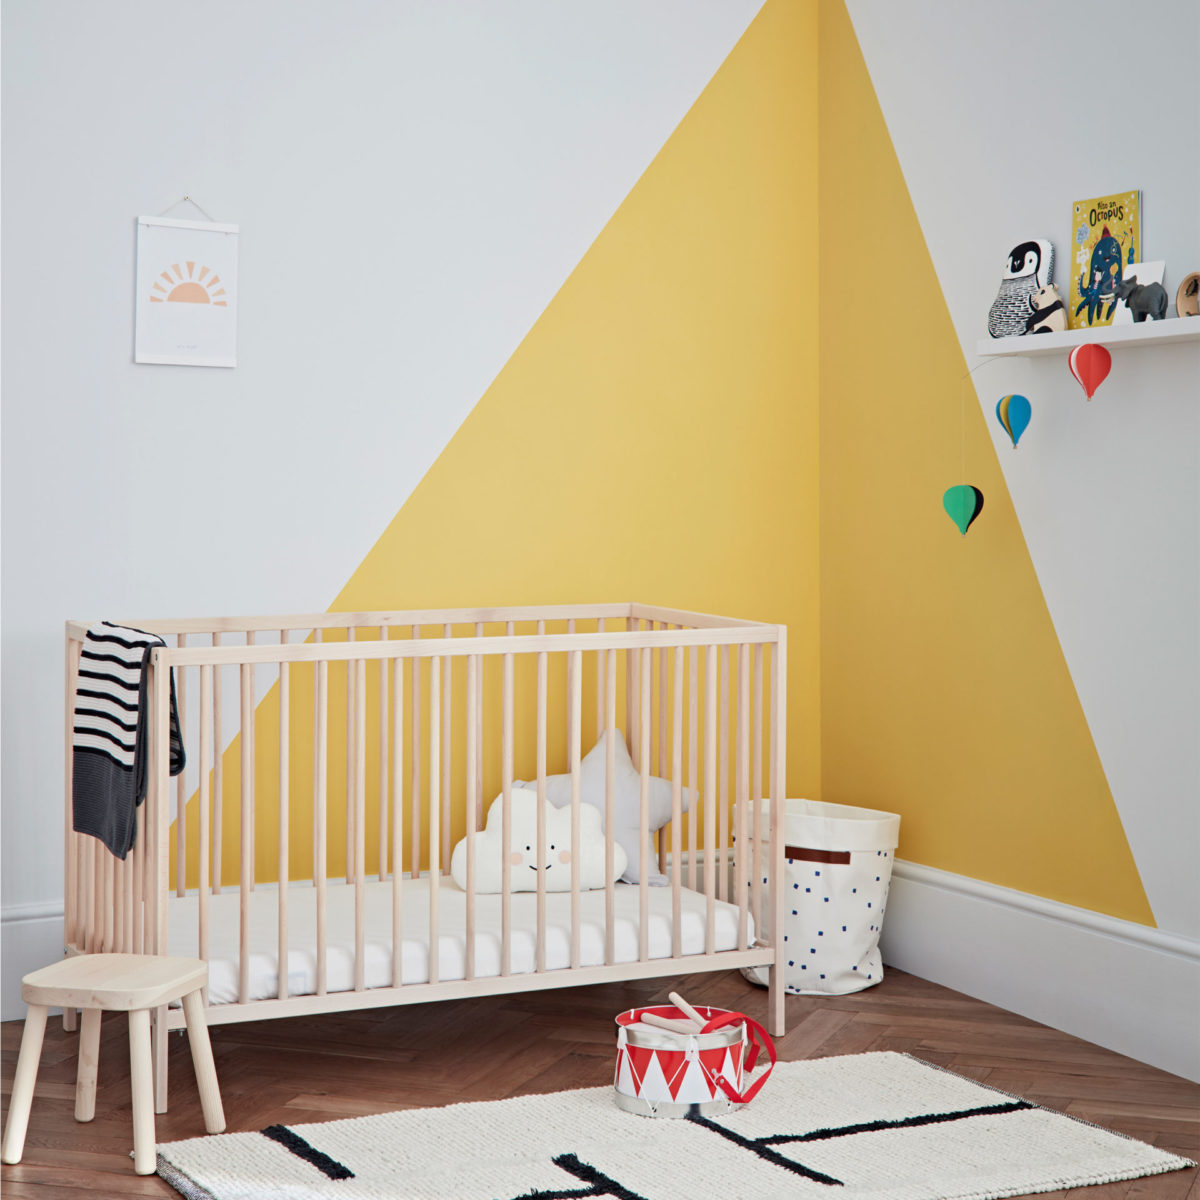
(1148, 333)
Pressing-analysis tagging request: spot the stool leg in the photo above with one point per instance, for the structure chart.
(145, 1156)
(70, 1019)
(202, 1060)
(89, 1062)
(22, 1093)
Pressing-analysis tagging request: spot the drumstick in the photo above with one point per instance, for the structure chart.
(683, 1006)
(667, 1023)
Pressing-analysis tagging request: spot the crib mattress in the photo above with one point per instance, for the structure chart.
(302, 934)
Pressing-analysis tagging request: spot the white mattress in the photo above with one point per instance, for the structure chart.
(302, 937)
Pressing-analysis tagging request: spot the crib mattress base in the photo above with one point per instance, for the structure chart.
(224, 918)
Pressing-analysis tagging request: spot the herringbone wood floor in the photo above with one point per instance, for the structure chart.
(350, 1064)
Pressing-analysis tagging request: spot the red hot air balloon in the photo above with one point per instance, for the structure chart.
(1090, 365)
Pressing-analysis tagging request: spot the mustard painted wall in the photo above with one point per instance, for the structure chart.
(654, 437)
(945, 694)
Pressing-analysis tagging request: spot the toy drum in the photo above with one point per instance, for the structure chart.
(660, 1073)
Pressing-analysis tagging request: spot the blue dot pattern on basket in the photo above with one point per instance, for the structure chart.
(844, 955)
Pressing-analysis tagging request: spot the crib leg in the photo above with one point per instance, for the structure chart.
(777, 993)
(161, 1034)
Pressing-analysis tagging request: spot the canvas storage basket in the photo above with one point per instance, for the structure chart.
(838, 865)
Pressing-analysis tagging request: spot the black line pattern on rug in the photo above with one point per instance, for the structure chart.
(757, 1146)
(761, 1146)
(601, 1184)
(821, 1135)
(292, 1141)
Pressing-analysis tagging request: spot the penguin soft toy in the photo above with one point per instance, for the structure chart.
(1030, 268)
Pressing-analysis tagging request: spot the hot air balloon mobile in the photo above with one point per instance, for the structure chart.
(1013, 413)
(1090, 364)
(963, 503)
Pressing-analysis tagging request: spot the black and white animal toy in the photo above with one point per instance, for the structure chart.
(1030, 268)
(1048, 315)
(1143, 300)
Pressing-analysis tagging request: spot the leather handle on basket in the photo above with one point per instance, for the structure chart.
(761, 1040)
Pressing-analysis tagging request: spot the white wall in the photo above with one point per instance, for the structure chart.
(1002, 116)
(413, 181)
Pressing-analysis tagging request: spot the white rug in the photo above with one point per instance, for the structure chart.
(864, 1125)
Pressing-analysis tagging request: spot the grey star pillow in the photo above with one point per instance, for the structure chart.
(627, 802)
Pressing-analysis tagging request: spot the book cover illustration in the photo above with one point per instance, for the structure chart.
(1107, 235)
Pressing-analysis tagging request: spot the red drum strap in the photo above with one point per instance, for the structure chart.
(761, 1041)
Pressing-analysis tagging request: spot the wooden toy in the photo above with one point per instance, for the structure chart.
(1145, 301)
(1048, 314)
(1187, 299)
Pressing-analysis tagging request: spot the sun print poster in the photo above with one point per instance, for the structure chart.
(187, 292)
(1106, 235)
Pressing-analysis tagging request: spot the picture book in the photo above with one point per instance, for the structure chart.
(1106, 235)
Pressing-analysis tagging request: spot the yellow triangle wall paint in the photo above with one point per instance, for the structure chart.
(653, 438)
(945, 693)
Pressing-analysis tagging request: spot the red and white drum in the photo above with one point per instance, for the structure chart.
(660, 1073)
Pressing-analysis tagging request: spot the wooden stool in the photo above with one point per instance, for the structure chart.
(132, 983)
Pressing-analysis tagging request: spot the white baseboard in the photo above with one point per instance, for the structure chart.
(1128, 987)
(32, 937)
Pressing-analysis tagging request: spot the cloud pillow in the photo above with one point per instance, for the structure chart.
(556, 866)
(627, 802)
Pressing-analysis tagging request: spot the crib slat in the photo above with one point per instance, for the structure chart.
(157, 794)
(360, 823)
(247, 819)
(479, 661)
(447, 753)
(415, 749)
(710, 797)
(756, 878)
(285, 699)
(139, 889)
(644, 813)
(119, 868)
(693, 762)
(506, 772)
(71, 903)
(218, 782)
(472, 808)
(318, 868)
(383, 760)
(320, 805)
(635, 713)
(574, 724)
(351, 809)
(600, 685)
(742, 798)
(540, 835)
(723, 774)
(106, 911)
(610, 748)
(253, 832)
(677, 804)
(778, 751)
(660, 753)
(204, 864)
(629, 671)
(181, 784)
(435, 813)
(397, 822)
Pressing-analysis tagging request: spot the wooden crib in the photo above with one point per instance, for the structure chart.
(310, 862)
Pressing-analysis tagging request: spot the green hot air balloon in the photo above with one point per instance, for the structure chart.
(963, 503)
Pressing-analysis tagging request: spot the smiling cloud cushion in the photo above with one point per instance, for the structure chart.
(627, 802)
(556, 866)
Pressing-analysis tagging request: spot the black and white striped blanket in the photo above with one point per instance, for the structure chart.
(109, 759)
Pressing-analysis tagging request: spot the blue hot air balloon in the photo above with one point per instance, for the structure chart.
(1013, 413)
